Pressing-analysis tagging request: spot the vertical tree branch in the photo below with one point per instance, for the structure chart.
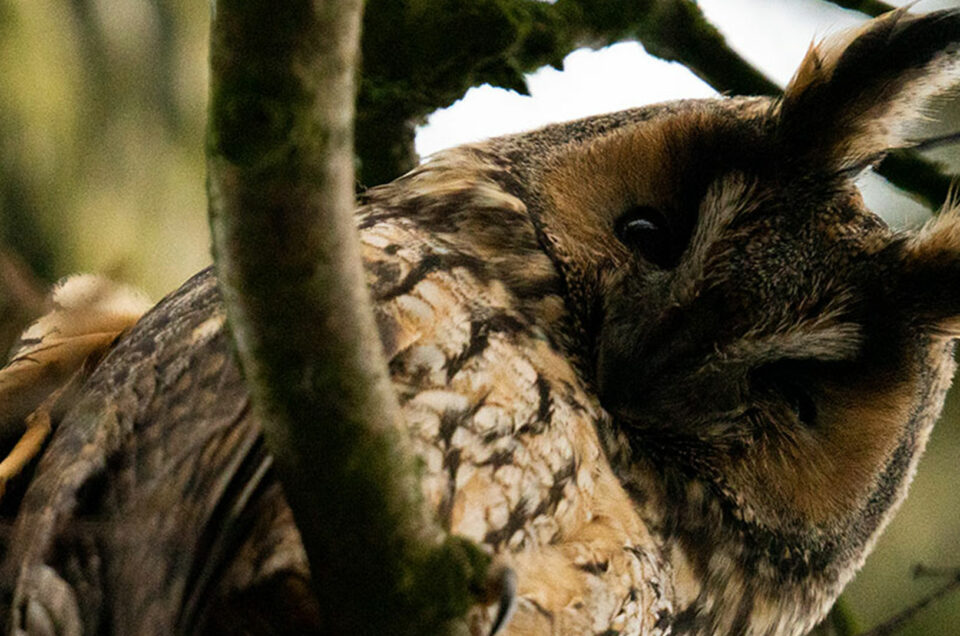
(280, 162)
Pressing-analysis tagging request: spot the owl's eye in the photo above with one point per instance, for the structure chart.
(646, 232)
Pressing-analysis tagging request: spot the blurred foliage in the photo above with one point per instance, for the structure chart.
(101, 169)
(101, 137)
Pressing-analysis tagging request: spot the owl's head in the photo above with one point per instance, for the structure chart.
(766, 345)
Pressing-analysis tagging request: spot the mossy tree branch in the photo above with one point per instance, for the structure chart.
(280, 162)
(925, 180)
(417, 58)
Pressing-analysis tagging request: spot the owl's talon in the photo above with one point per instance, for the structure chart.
(503, 587)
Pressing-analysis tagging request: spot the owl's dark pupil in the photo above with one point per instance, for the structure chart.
(646, 232)
(802, 405)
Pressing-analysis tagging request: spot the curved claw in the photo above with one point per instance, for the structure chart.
(502, 585)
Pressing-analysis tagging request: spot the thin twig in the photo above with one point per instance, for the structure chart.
(895, 623)
(936, 142)
(920, 177)
(872, 8)
(921, 571)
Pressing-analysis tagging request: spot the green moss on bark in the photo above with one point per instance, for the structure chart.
(288, 259)
(255, 101)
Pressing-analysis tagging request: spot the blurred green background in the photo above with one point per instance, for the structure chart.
(102, 106)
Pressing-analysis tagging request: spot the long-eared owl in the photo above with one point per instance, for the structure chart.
(663, 364)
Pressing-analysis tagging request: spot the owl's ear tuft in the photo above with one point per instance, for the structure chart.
(857, 95)
(927, 286)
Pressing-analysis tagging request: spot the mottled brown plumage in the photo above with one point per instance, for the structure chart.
(661, 363)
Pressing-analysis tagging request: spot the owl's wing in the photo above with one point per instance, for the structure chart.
(87, 314)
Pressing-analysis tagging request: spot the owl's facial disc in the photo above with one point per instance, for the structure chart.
(745, 363)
